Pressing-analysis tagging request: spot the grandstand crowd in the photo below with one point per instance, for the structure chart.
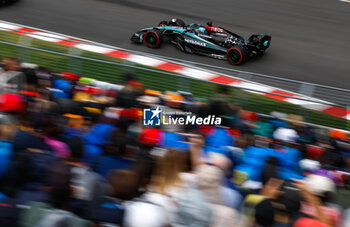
(74, 152)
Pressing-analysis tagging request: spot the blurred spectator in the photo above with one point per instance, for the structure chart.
(54, 213)
(51, 132)
(114, 156)
(145, 161)
(263, 128)
(111, 209)
(94, 141)
(168, 180)
(288, 158)
(130, 209)
(258, 208)
(317, 192)
(346, 220)
(64, 85)
(193, 209)
(127, 97)
(10, 64)
(27, 176)
(286, 134)
(220, 105)
(253, 161)
(7, 130)
(87, 187)
(30, 134)
(210, 180)
(31, 79)
(11, 77)
(343, 194)
(309, 222)
(196, 149)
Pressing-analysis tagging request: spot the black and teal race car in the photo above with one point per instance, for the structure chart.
(206, 40)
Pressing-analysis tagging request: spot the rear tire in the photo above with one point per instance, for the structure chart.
(153, 38)
(237, 55)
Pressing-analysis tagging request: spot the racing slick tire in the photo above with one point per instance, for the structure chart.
(153, 38)
(237, 55)
(177, 22)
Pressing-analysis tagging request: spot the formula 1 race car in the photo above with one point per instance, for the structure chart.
(206, 40)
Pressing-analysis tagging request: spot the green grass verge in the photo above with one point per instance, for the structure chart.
(152, 80)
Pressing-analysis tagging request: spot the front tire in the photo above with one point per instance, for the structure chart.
(153, 38)
(237, 55)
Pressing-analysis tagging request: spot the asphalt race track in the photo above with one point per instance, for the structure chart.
(310, 39)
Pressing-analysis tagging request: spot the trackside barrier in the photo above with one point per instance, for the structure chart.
(112, 70)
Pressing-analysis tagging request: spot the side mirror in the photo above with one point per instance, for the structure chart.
(210, 23)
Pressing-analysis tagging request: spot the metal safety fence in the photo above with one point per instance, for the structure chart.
(63, 58)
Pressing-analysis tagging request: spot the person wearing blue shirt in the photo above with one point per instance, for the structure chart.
(288, 161)
(6, 155)
(7, 131)
(94, 141)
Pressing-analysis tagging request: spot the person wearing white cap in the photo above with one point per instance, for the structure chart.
(317, 191)
(285, 134)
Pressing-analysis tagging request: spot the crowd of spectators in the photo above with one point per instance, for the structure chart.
(74, 152)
